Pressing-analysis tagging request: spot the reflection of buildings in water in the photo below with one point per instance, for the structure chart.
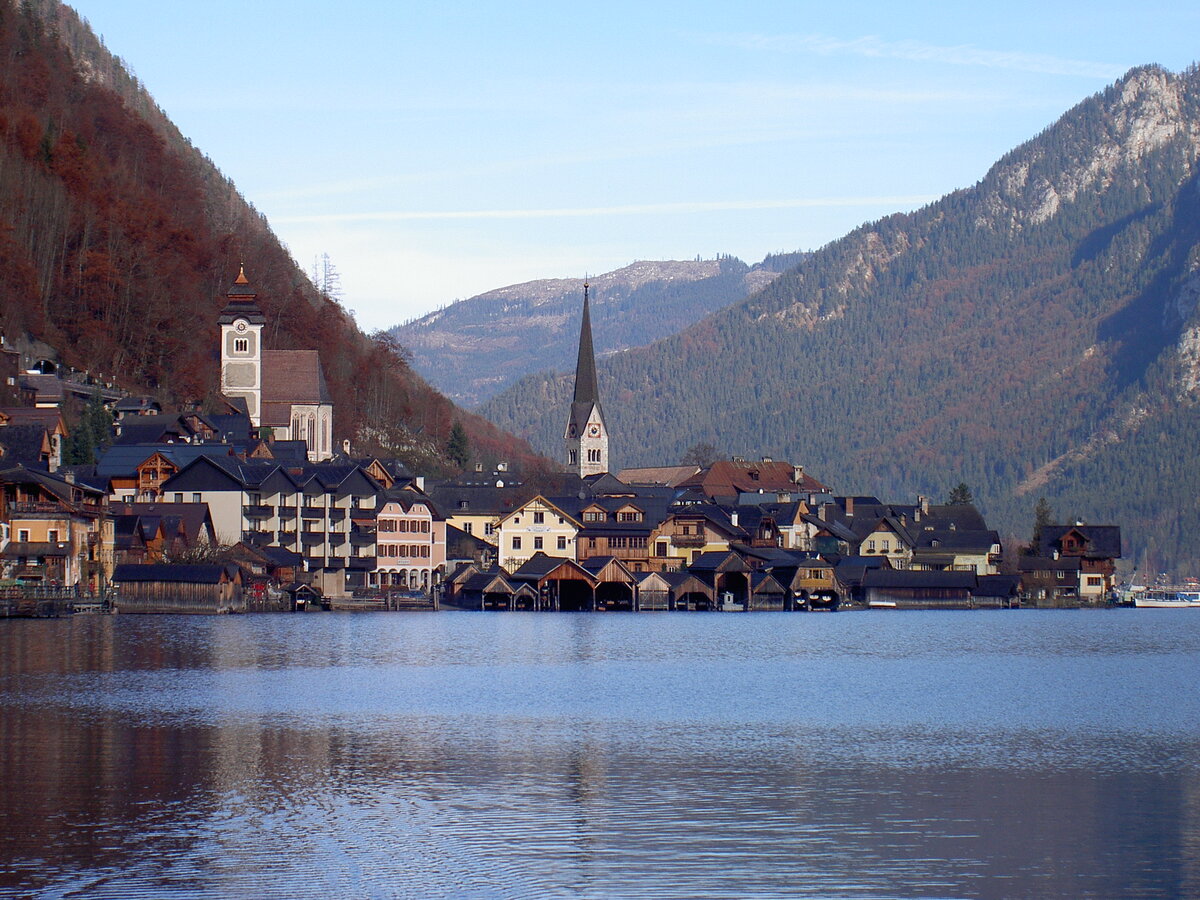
(1189, 834)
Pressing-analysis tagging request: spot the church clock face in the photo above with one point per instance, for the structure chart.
(240, 327)
(594, 430)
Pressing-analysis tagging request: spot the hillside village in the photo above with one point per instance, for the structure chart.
(254, 507)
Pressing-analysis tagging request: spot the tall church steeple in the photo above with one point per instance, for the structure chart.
(586, 435)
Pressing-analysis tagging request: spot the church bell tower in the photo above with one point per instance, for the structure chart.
(586, 435)
(241, 324)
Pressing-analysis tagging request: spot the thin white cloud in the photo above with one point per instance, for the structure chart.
(917, 51)
(627, 210)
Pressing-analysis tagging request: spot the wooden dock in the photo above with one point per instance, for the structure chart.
(30, 602)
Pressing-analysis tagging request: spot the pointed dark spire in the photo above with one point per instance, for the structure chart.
(586, 390)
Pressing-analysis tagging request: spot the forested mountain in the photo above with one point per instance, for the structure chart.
(475, 348)
(1034, 335)
(118, 241)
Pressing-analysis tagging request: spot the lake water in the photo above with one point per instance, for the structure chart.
(985, 754)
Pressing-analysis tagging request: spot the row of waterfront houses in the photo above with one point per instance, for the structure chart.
(261, 474)
(365, 525)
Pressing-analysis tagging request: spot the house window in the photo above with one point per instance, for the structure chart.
(562, 542)
(241, 345)
(467, 527)
(537, 543)
(179, 498)
(1095, 581)
(196, 498)
(629, 517)
(23, 535)
(516, 543)
(539, 518)
(661, 548)
(489, 528)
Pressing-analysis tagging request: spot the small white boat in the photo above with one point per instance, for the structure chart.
(1167, 598)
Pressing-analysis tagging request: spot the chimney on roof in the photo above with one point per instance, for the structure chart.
(345, 445)
(797, 474)
(849, 506)
(419, 481)
(70, 477)
(923, 502)
(739, 459)
(733, 519)
(821, 511)
(767, 459)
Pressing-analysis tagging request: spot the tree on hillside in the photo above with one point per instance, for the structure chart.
(1043, 515)
(960, 495)
(703, 455)
(326, 278)
(92, 432)
(458, 447)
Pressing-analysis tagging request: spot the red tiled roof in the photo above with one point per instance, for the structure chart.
(728, 478)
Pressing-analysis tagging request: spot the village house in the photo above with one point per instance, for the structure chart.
(410, 543)
(1095, 547)
(691, 530)
(59, 530)
(157, 532)
(536, 526)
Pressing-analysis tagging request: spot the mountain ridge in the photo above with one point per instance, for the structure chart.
(1040, 321)
(474, 347)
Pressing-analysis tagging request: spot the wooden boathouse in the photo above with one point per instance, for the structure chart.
(164, 588)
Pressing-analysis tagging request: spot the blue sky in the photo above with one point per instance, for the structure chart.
(435, 151)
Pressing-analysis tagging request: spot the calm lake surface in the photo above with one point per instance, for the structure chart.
(985, 754)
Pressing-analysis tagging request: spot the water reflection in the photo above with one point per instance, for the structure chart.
(718, 756)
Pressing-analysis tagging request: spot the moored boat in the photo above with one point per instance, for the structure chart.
(1167, 598)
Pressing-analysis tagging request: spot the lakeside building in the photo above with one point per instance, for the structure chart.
(281, 390)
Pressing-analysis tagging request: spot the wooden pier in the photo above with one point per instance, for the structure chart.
(38, 602)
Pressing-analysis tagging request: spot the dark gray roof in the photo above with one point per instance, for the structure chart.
(19, 549)
(175, 574)
(1103, 541)
(997, 586)
(910, 579)
(22, 443)
(123, 459)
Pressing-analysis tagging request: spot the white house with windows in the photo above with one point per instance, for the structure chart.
(537, 526)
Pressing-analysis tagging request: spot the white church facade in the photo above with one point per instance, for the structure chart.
(284, 391)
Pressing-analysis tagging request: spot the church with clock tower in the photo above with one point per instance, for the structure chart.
(586, 435)
(284, 391)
